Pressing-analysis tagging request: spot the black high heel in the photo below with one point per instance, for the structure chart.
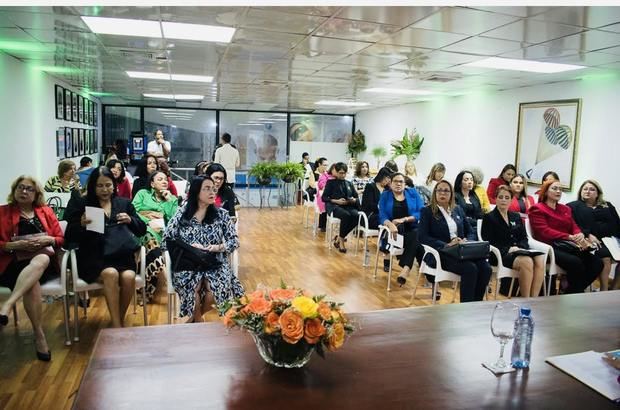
(401, 280)
(4, 320)
(44, 357)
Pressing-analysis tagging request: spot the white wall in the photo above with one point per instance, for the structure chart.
(28, 123)
(481, 129)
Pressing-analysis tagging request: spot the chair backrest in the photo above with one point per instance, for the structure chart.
(479, 228)
(63, 226)
(180, 185)
(168, 271)
(528, 228)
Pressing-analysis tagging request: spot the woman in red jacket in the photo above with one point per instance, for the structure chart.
(521, 201)
(123, 185)
(508, 172)
(552, 223)
(29, 260)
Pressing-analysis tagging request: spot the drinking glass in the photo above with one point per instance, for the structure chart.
(503, 328)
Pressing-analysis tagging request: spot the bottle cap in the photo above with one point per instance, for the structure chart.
(526, 310)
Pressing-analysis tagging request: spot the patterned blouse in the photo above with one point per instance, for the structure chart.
(54, 184)
(360, 183)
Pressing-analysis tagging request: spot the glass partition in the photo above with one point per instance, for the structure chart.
(119, 123)
(321, 128)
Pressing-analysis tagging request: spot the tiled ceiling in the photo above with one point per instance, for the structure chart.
(287, 58)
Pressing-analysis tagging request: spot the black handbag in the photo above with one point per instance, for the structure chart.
(185, 257)
(567, 246)
(119, 241)
(468, 250)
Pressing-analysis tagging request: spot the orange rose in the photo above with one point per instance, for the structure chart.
(325, 312)
(292, 325)
(272, 323)
(314, 329)
(259, 305)
(336, 337)
(228, 317)
(256, 294)
(282, 294)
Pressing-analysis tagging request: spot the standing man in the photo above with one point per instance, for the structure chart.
(159, 147)
(228, 156)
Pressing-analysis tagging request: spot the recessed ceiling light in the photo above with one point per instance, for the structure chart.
(188, 97)
(402, 91)
(523, 65)
(123, 27)
(197, 32)
(193, 78)
(151, 76)
(342, 103)
(163, 96)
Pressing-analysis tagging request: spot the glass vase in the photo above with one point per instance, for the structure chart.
(275, 351)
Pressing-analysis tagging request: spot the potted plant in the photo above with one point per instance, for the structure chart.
(263, 171)
(357, 144)
(289, 171)
(409, 146)
(378, 153)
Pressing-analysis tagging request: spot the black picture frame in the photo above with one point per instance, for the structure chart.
(95, 144)
(68, 142)
(60, 142)
(87, 142)
(60, 102)
(92, 113)
(76, 142)
(74, 107)
(87, 112)
(82, 142)
(67, 101)
(80, 109)
(95, 114)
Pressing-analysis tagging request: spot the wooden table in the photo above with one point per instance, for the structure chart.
(403, 358)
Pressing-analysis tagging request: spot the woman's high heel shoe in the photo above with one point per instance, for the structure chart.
(4, 320)
(44, 357)
(402, 278)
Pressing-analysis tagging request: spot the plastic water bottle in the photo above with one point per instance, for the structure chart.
(522, 345)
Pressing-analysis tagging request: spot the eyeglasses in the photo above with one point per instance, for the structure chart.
(398, 181)
(443, 191)
(591, 189)
(27, 188)
(504, 197)
(208, 189)
(217, 178)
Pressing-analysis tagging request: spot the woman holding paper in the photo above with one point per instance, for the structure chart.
(399, 211)
(29, 261)
(95, 260)
(505, 230)
(155, 206)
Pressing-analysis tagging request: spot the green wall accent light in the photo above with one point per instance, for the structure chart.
(101, 94)
(56, 69)
(8, 45)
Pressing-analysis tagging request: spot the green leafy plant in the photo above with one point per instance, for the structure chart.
(357, 143)
(264, 171)
(378, 153)
(289, 171)
(409, 146)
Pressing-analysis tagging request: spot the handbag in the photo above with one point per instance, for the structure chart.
(185, 257)
(27, 255)
(468, 250)
(119, 241)
(567, 246)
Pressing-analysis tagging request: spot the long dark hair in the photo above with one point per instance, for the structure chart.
(215, 167)
(192, 202)
(91, 187)
(112, 163)
(141, 169)
(459, 180)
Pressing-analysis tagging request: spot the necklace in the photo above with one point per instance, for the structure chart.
(27, 215)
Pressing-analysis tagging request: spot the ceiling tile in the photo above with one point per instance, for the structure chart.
(325, 11)
(398, 16)
(463, 21)
(484, 46)
(532, 31)
(587, 59)
(393, 53)
(355, 30)
(523, 11)
(611, 50)
(592, 17)
(47, 21)
(415, 37)
(612, 27)
(215, 16)
(264, 38)
(368, 61)
(278, 21)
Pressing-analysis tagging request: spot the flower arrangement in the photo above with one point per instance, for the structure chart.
(288, 324)
(410, 145)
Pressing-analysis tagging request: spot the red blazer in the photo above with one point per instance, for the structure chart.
(124, 189)
(172, 188)
(9, 218)
(550, 224)
(514, 205)
(492, 188)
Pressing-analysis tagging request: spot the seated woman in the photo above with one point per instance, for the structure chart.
(321, 175)
(66, 180)
(467, 199)
(399, 211)
(361, 176)
(476, 172)
(28, 261)
(148, 165)
(597, 219)
(372, 192)
(505, 230)
(508, 172)
(341, 200)
(521, 201)
(553, 222)
(442, 224)
(548, 176)
(117, 272)
(156, 207)
(225, 197)
(436, 174)
(123, 185)
(201, 224)
(162, 165)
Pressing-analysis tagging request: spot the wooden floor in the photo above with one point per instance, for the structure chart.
(274, 246)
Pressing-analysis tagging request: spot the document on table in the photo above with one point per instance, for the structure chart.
(398, 242)
(590, 369)
(97, 218)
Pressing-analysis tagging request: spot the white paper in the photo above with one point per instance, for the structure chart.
(157, 223)
(97, 218)
(590, 369)
(613, 245)
(398, 242)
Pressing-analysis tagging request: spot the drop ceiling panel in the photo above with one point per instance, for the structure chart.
(415, 37)
(398, 16)
(278, 21)
(355, 30)
(463, 21)
(484, 46)
(591, 17)
(215, 16)
(523, 11)
(532, 31)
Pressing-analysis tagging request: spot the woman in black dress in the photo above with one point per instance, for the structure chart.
(117, 272)
(466, 198)
(340, 197)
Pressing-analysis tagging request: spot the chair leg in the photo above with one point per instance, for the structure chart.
(357, 240)
(144, 312)
(65, 311)
(15, 314)
(454, 292)
(512, 282)
(434, 291)
(390, 274)
(169, 308)
(76, 319)
(415, 287)
(135, 297)
(376, 262)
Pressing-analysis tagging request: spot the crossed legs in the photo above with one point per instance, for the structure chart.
(201, 304)
(531, 274)
(118, 289)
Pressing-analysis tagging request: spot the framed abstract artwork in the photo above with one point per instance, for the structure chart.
(74, 107)
(95, 114)
(68, 142)
(547, 139)
(60, 102)
(76, 142)
(80, 109)
(87, 142)
(82, 141)
(60, 143)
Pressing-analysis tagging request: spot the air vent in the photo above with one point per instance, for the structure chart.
(442, 77)
(139, 55)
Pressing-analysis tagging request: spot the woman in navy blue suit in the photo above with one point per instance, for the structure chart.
(399, 211)
(443, 224)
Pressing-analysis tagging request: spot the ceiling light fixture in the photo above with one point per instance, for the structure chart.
(523, 65)
(162, 96)
(342, 103)
(197, 32)
(192, 78)
(150, 76)
(123, 27)
(402, 91)
(175, 96)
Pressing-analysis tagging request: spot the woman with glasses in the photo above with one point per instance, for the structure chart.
(341, 200)
(553, 224)
(66, 181)
(118, 272)
(597, 219)
(201, 224)
(399, 211)
(225, 197)
(29, 233)
(443, 224)
(361, 176)
(156, 206)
